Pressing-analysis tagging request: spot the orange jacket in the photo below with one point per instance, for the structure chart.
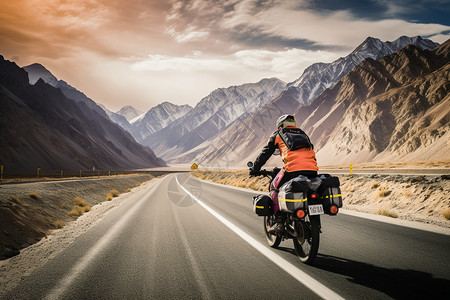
(303, 159)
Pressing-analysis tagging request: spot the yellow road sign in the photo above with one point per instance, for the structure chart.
(194, 166)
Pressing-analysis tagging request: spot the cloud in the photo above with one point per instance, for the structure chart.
(295, 20)
(286, 64)
(158, 62)
(190, 34)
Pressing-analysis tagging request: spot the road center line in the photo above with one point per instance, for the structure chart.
(315, 286)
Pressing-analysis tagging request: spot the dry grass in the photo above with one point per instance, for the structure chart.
(387, 213)
(375, 185)
(446, 213)
(443, 164)
(80, 207)
(15, 199)
(383, 193)
(406, 193)
(127, 191)
(58, 224)
(234, 178)
(112, 194)
(80, 202)
(77, 211)
(34, 196)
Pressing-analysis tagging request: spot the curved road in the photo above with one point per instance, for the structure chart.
(162, 244)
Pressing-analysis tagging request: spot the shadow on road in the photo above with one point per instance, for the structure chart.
(288, 250)
(396, 283)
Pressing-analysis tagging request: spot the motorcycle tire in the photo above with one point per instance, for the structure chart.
(273, 240)
(306, 243)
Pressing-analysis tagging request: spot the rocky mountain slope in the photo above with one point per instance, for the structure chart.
(156, 119)
(300, 92)
(116, 118)
(129, 112)
(397, 108)
(415, 85)
(320, 76)
(37, 71)
(42, 127)
(211, 115)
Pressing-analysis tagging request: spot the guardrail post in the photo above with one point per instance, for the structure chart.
(351, 168)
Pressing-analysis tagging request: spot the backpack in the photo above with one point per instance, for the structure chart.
(295, 138)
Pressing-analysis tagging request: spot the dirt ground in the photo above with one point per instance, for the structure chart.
(410, 197)
(28, 211)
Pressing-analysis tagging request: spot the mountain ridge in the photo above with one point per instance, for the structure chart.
(213, 113)
(41, 127)
(237, 143)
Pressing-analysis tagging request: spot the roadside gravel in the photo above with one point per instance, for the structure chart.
(14, 269)
(29, 210)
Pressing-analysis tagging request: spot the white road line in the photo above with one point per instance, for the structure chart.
(315, 286)
(93, 252)
(398, 222)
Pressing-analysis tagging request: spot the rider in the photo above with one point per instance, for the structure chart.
(298, 156)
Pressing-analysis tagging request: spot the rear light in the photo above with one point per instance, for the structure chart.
(334, 209)
(314, 196)
(300, 214)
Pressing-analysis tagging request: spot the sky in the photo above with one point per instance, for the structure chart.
(145, 52)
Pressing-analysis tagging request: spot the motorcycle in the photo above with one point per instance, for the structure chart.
(302, 225)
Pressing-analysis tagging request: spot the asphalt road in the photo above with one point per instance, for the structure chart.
(164, 245)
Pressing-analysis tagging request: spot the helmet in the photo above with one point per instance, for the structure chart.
(285, 121)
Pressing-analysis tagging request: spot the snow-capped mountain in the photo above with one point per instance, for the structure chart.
(237, 144)
(129, 112)
(393, 109)
(156, 119)
(211, 115)
(320, 76)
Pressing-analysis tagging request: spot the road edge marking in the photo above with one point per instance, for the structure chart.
(314, 285)
(379, 218)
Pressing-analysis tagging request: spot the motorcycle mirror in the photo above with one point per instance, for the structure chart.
(249, 164)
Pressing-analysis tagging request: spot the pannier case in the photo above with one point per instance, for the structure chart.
(330, 192)
(262, 205)
(293, 195)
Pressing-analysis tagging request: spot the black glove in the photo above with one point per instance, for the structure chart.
(254, 172)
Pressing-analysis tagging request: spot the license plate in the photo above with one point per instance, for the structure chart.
(315, 209)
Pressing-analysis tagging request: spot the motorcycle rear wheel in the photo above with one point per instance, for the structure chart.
(273, 240)
(306, 243)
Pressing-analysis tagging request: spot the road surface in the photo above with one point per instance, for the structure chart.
(162, 244)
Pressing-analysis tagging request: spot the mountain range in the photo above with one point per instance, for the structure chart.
(384, 101)
(54, 126)
(211, 115)
(397, 108)
(236, 143)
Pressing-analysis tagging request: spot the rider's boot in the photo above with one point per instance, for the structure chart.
(278, 226)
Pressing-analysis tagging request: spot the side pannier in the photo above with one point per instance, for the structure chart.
(293, 194)
(262, 205)
(330, 192)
